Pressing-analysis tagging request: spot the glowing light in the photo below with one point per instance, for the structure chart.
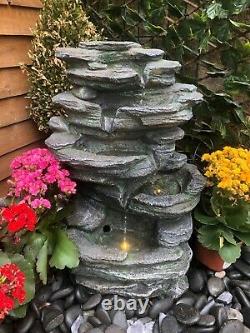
(125, 246)
(157, 191)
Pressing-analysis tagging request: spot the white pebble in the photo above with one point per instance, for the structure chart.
(139, 327)
(220, 275)
(136, 327)
(234, 314)
(161, 317)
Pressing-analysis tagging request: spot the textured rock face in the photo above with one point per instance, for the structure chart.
(118, 138)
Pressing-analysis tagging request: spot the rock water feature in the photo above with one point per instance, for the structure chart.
(132, 219)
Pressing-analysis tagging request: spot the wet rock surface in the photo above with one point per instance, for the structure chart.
(197, 312)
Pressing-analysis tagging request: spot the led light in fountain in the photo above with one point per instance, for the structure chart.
(125, 245)
(132, 218)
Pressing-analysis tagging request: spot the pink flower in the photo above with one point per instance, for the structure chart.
(67, 186)
(37, 175)
(40, 203)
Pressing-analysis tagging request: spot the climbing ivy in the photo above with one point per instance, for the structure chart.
(211, 40)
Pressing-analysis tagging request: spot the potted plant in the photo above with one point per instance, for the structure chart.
(32, 233)
(223, 215)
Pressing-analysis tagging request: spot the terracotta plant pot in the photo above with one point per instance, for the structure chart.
(210, 258)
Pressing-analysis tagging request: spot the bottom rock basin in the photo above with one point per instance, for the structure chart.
(131, 253)
(139, 272)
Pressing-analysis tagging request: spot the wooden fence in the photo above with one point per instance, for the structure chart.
(17, 132)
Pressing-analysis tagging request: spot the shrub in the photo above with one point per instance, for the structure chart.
(62, 23)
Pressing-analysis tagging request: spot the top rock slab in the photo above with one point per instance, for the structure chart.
(75, 56)
(108, 45)
(117, 66)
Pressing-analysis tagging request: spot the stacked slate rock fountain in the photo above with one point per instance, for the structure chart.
(131, 220)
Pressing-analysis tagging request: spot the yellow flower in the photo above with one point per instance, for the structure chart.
(225, 183)
(205, 157)
(244, 188)
(229, 170)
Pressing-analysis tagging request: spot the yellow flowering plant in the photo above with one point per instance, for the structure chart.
(229, 171)
(224, 213)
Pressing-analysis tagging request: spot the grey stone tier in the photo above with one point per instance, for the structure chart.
(90, 216)
(146, 273)
(117, 137)
(173, 288)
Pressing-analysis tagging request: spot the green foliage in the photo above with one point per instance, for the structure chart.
(4, 259)
(19, 312)
(225, 228)
(42, 262)
(230, 252)
(50, 245)
(210, 39)
(65, 253)
(62, 23)
(34, 244)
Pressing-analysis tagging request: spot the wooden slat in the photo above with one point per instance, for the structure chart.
(18, 135)
(17, 20)
(17, 132)
(13, 110)
(14, 50)
(4, 187)
(27, 3)
(6, 159)
(12, 82)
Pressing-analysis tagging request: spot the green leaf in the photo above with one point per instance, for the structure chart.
(236, 217)
(230, 253)
(228, 235)
(205, 219)
(42, 262)
(244, 237)
(216, 10)
(209, 236)
(11, 247)
(4, 259)
(241, 115)
(240, 24)
(214, 204)
(220, 126)
(221, 30)
(115, 10)
(134, 16)
(235, 6)
(64, 212)
(54, 216)
(155, 29)
(19, 312)
(26, 267)
(65, 252)
(35, 243)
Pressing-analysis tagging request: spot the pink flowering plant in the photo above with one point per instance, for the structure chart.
(39, 184)
(39, 180)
